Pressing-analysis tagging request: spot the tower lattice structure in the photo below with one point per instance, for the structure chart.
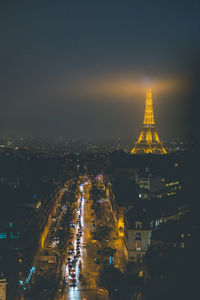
(148, 141)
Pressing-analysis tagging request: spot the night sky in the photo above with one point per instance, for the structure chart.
(79, 68)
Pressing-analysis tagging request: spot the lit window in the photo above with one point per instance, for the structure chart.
(138, 236)
(14, 235)
(140, 274)
(138, 225)
(182, 245)
(182, 235)
(10, 225)
(138, 246)
(3, 235)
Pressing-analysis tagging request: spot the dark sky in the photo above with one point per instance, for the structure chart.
(79, 68)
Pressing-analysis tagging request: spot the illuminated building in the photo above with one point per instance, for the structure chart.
(145, 218)
(3, 284)
(148, 141)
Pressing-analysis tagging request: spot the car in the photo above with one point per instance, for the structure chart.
(71, 252)
(73, 276)
(72, 271)
(97, 260)
(73, 263)
(76, 257)
(70, 266)
(69, 259)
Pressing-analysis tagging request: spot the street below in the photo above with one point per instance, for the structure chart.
(81, 275)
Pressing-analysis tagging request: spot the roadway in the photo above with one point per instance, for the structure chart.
(86, 287)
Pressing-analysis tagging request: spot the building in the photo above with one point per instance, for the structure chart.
(3, 284)
(122, 191)
(146, 217)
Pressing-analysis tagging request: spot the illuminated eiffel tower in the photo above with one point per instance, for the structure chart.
(148, 141)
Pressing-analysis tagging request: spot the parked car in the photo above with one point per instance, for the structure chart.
(97, 260)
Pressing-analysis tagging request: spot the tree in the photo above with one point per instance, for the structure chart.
(102, 233)
(110, 277)
(44, 287)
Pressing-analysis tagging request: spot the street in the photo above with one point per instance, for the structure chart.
(85, 284)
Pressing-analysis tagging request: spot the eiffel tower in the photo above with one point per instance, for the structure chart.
(148, 141)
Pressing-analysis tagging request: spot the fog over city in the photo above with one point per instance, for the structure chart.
(80, 68)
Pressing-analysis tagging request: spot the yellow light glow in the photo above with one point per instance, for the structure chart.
(148, 115)
(38, 204)
(149, 136)
(121, 227)
(148, 141)
(119, 86)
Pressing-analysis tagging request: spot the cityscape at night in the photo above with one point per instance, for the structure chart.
(99, 150)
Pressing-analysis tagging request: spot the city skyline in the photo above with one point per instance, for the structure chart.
(99, 149)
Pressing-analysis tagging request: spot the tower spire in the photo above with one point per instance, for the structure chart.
(148, 115)
(148, 141)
